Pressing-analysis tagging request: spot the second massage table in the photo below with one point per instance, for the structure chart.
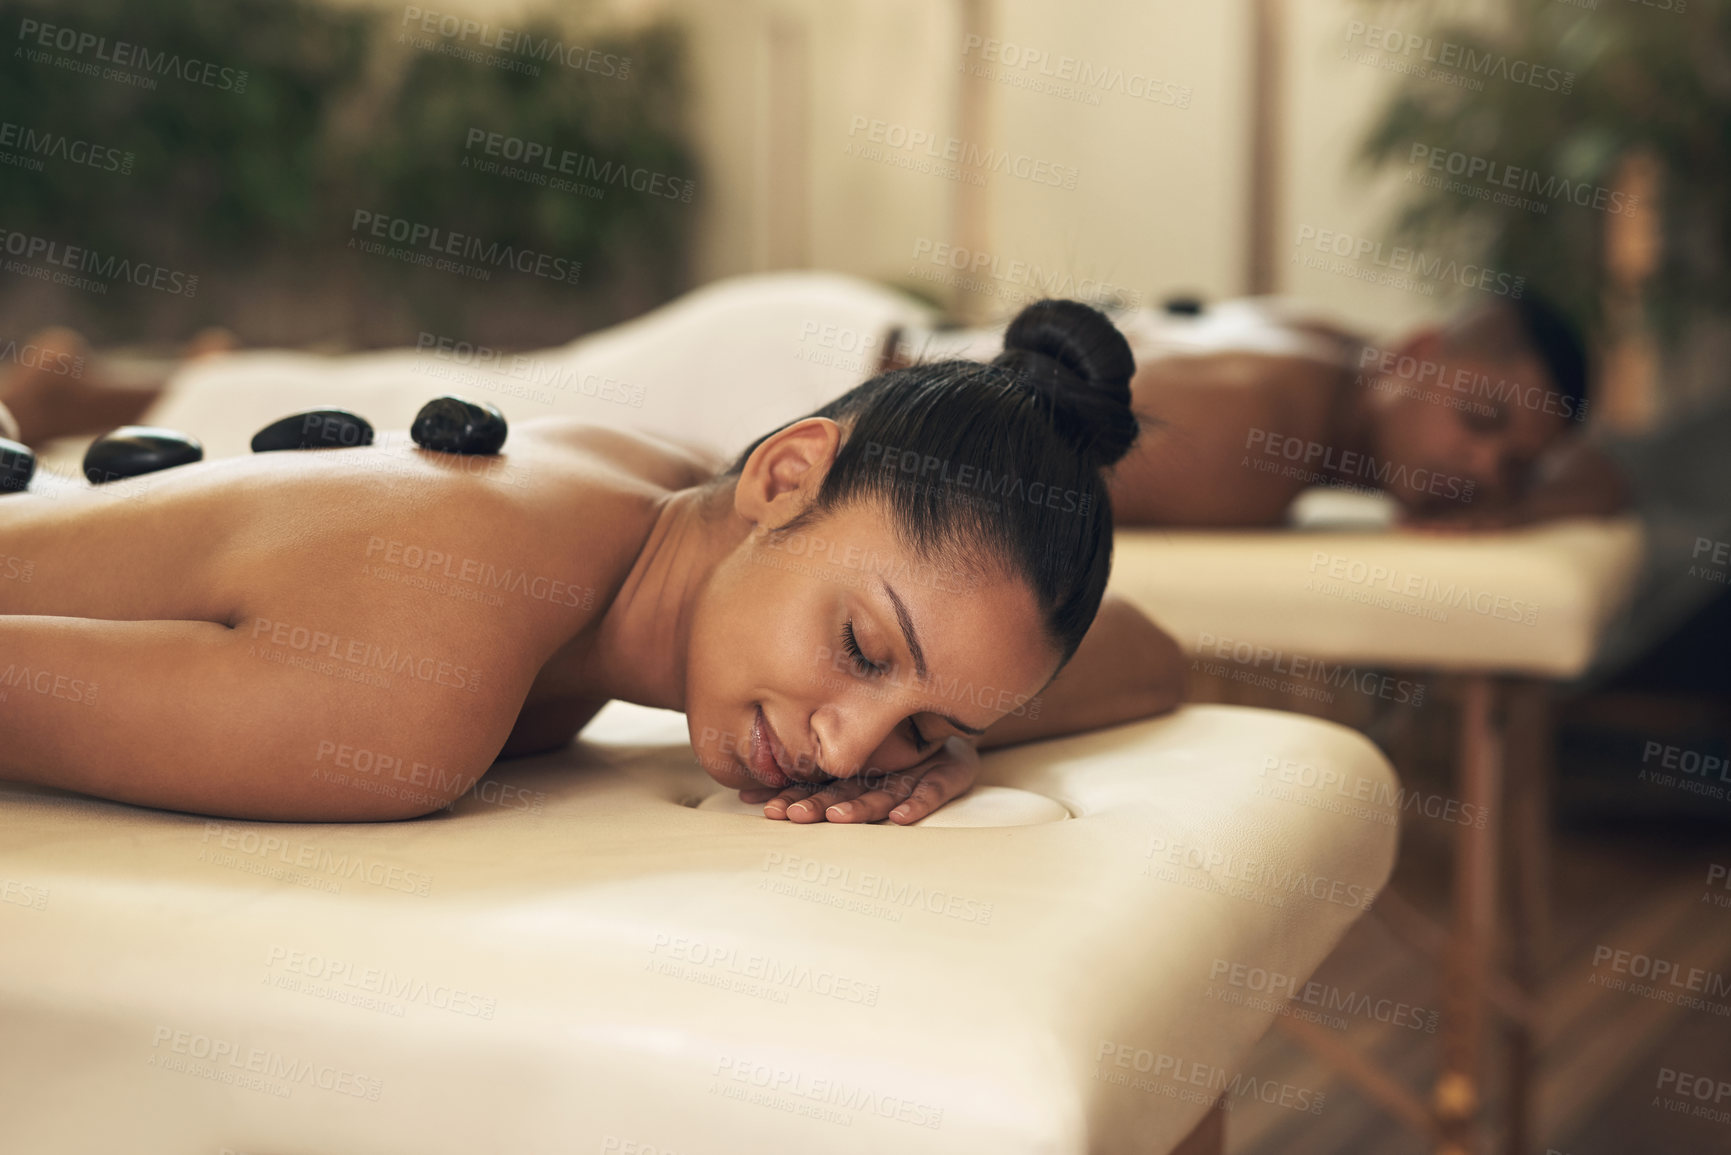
(1311, 615)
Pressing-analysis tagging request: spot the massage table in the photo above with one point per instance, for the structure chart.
(1505, 614)
(603, 950)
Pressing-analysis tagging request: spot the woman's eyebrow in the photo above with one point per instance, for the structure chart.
(906, 622)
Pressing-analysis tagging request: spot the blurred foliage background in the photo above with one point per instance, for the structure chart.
(252, 184)
(1649, 76)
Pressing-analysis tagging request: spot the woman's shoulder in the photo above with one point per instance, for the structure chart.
(577, 494)
(654, 460)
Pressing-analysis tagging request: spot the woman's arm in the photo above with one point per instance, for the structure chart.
(1575, 480)
(1126, 668)
(200, 717)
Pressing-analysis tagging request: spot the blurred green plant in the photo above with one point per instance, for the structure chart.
(1650, 76)
(338, 109)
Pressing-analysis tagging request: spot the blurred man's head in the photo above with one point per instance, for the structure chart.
(1467, 408)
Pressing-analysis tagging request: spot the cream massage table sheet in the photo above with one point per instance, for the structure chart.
(1283, 603)
(578, 959)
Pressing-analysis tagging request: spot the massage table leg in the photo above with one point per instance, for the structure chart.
(1459, 1091)
(1516, 736)
(1363, 1070)
(1528, 832)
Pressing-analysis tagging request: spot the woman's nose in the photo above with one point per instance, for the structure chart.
(848, 733)
(1485, 467)
(839, 742)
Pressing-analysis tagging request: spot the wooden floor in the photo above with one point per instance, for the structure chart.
(1632, 865)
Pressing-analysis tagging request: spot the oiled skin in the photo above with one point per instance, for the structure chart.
(164, 611)
(1215, 413)
(221, 638)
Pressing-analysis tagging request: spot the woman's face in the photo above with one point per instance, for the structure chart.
(835, 652)
(1470, 436)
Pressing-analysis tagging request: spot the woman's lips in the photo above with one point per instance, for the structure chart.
(764, 765)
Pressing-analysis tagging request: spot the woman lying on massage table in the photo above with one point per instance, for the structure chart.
(842, 637)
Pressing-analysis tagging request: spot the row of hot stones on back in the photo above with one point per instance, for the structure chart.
(444, 424)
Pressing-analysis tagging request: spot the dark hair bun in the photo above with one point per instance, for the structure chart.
(1079, 361)
(1556, 340)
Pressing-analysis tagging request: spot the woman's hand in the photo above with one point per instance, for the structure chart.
(1577, 479)
(903, 796)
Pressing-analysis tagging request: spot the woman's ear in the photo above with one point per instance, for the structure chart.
(782, 475)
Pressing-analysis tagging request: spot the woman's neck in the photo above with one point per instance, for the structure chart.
(642, 644)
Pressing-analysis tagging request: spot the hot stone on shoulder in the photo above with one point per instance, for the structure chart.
(314, 429)
(17, 466)
(453, 425)
(135, 449)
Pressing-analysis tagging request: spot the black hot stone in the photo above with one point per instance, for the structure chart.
(17, 466)
(135, 449)
(453, 425)
(314, 429)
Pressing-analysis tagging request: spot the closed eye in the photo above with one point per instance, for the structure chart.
(864, 665)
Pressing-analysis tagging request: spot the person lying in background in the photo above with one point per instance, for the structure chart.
(1462, 424)
(56, 388)
(1467, 425)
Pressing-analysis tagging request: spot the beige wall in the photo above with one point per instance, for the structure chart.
(1160, 192)
(1329, 105)
(1157, 190)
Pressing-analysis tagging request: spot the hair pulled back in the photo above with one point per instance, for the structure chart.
(1001, 465)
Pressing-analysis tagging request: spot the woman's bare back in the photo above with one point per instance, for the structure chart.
(209, 637)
